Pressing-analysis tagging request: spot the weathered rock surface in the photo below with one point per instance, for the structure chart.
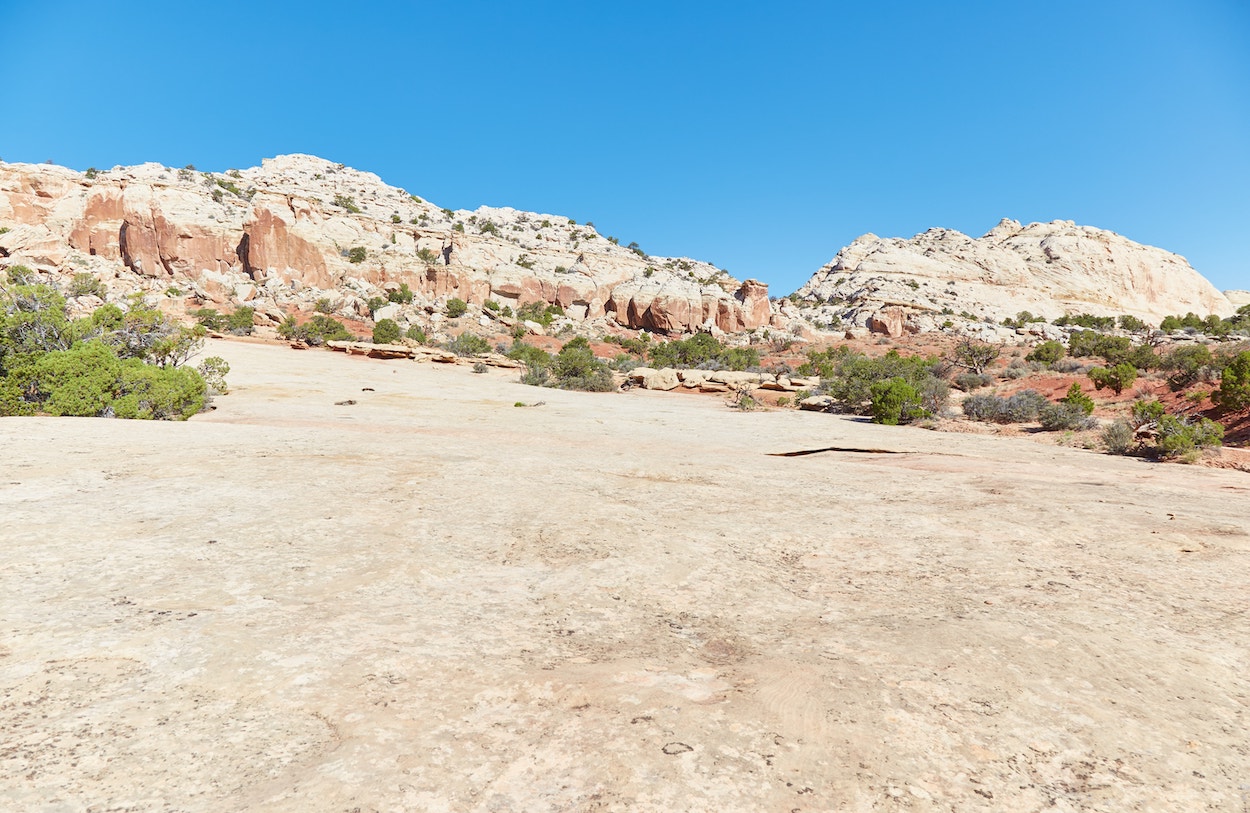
(299, 228)
(893, 285)
(433, 601)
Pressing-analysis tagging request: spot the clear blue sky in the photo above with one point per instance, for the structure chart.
(762, 137)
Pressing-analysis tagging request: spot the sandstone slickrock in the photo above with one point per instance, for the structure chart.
(894, 284)
(431, 600)
(299, 228)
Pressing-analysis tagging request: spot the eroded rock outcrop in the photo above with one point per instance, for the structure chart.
(299, 229)
(894, 284)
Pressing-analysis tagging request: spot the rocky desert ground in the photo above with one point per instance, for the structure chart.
(364, 585)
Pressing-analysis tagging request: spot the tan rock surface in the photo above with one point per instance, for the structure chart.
(281, 234)
(433, 600)
(1046, 268)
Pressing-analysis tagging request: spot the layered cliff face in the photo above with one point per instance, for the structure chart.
(1046, 268)
(299, 229)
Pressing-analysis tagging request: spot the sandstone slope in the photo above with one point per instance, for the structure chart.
(1046, 268)
(434, 600)
(281, 236)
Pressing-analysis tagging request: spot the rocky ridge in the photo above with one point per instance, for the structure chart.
(299, 229)
(941, 275)
(300, 232)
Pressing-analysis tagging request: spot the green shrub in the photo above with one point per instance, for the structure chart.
(417, 334)
(1144, 413)
(823, 363)
(152, 393)
(894, 401)
(700, 350)
(1118, 437)
(576, 368)
(316, 331)
(1064, 417)
(210, 319)
(539, 312)
(84, 284)
(1021, 407)
(1112, 349)
(491, 305)
(386, 331)
(1234, 391)
(1187, 365)
(456, 307)
(214, 370)
(1179, 437)
(528, 354)
(403, 295)
(1047, 352)
(1132, 323)
(347, 202)
(426, 256)
(90, 379)
(1117, 377)
(81, 381)
(356, 254)
(854, 374)
(468, 344)
(32, 319)
(1086, 320)
(1077, 398)
(1084, 343)
(975, 355)
(241, 322)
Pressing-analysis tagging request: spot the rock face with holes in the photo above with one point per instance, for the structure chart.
(1049, 269)
(299, 229)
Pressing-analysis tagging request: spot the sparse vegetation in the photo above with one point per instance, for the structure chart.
(1116, 378)
(1234, 390)
(356, 254)
(468, 344)
(893, 401)
(1187, 365)
(386, 331)
(456, 307)
(573, 368)
(316, 331)
(701, 350)
(84, 284)
(848, 377)
(1022, 407)
(974, 355)
(1063, 416)
(972, 381)
(126, 364)
(402, 295)
(1048, 352)
(1086, 320)
(539, 312)
(347, 202)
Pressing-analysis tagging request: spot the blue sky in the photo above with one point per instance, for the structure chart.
(762, 137)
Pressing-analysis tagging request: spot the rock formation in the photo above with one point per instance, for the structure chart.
(892, 284)
(299, 229)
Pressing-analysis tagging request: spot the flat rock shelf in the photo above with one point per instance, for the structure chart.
(433, 600)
